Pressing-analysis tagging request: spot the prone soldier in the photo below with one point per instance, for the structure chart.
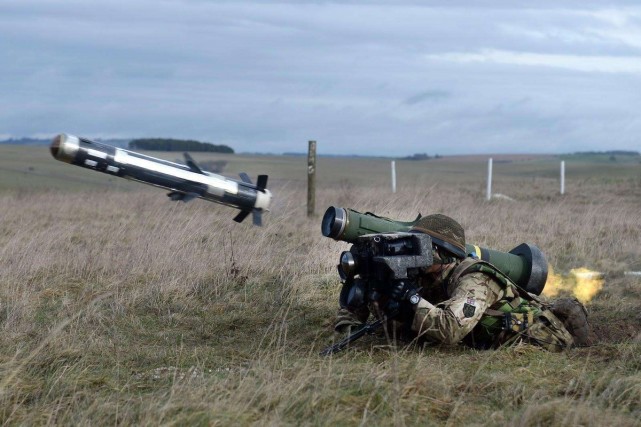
(463, 299)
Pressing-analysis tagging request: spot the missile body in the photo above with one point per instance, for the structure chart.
(185, 182)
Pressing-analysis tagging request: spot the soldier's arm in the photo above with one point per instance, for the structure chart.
(448, 322)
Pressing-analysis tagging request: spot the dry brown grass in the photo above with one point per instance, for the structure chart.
(123, 308)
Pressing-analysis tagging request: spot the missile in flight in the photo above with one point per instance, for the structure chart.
(184, 182)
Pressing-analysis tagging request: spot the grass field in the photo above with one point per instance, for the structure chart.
(118, 306)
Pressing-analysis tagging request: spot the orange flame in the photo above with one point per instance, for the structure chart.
(584, 284)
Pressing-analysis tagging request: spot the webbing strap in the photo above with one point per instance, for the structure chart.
(494, 313)
(515, 303)
(474, 265)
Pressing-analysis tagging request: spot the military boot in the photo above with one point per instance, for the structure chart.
(575, 319)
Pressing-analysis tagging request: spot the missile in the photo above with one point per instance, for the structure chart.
(184, 182)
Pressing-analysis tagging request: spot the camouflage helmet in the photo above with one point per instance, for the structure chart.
(444, 231)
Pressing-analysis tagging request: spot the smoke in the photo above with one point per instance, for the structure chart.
(584, 284)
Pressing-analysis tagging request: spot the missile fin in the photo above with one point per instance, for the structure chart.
(257, 217)
(245, 177)
(192, 164)
(261, 183)
(241, 216)
(183, 197)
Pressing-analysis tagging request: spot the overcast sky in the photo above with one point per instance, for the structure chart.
(368, 77)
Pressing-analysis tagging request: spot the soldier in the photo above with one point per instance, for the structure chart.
(469, 300)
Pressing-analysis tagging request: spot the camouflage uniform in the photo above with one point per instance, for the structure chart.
(452, 319)
(477, 296)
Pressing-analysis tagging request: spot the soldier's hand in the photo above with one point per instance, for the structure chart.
(403, 291)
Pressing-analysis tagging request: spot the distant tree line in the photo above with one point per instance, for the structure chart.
(26, 141)
(420, 156)
(167, 144)
(608, 153)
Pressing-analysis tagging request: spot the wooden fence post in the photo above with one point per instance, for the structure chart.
(311, 179)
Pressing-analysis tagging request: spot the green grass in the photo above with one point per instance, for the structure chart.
(118, 306)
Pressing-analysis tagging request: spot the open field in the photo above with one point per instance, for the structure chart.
(118, 306)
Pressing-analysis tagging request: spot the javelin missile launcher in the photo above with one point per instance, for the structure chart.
(525, 264)
(184, 182)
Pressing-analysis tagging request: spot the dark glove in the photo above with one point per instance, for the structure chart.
(401, 295)
(403, 291)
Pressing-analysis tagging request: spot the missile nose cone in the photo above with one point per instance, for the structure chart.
(55, 146)
(64, 147)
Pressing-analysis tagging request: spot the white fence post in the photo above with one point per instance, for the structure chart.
(393, 176)
(562, 177)
(489, 179)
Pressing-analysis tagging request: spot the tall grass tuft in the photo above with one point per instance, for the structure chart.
(122, 308)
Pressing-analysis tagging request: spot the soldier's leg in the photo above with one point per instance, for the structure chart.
(549, 332)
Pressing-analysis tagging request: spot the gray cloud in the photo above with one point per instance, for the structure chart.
(376, 77)
(428, 95)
